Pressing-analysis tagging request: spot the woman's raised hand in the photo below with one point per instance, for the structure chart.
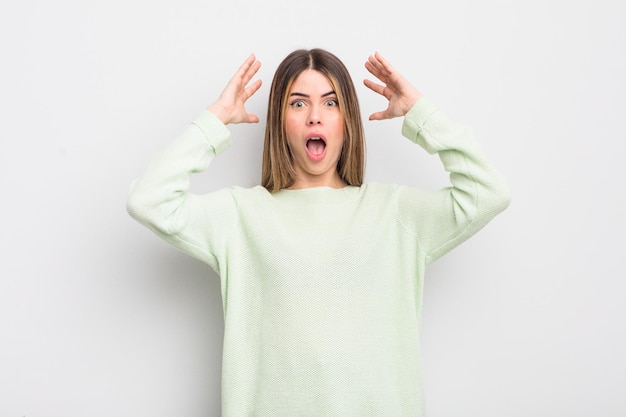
(230, 106)
(400, 93)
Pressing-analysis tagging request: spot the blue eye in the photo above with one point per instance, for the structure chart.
(297, 103)
(332, 103)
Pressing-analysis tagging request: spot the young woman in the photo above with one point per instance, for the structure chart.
(321, 275)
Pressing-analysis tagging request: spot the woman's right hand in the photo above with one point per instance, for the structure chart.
(230, 106)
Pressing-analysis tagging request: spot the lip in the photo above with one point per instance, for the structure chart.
(315, 135)
(315, 157)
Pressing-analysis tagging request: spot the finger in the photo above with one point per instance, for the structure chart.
(383, 63)
(375, 87)
(380, 115)
(246, 118)
(249, 69)
(393, 78)
(246, 71)
(375, 68)
(378, 62)
(375, 60)
(243, 68)
(386, 68)
(252, 118)
(252, 70)
(253, 88)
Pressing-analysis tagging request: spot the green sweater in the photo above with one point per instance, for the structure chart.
(321, 287)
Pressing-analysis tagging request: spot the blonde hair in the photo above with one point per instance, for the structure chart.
(277, 169)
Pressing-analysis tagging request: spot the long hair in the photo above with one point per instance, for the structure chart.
(277, 169)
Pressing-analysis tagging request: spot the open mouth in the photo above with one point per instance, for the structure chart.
(316, 146)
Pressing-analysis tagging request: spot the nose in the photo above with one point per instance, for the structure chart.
(314, 117)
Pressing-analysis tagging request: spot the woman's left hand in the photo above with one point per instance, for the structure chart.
(400, 93)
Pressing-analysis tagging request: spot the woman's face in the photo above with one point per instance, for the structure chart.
(314, 127)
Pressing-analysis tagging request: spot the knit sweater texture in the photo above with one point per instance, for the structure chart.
(321, 287)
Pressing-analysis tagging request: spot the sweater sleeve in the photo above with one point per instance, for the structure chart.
(443, 219)
(160, 198)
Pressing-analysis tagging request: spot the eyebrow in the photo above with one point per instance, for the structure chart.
(330, 93)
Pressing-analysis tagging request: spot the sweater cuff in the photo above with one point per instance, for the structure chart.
(415, 121)
(215, 132)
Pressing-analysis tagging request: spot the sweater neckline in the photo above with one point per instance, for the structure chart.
(321, 195)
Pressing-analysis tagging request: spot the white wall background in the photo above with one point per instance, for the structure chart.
(100, 318)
